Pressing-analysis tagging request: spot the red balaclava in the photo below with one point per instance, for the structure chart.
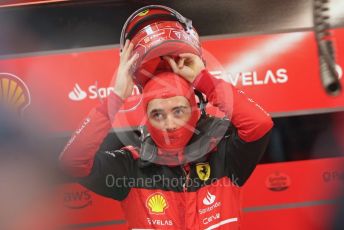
(165, 85)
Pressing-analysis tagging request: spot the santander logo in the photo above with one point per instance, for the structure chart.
(210, 203)
(77, 94)
(209, 199)
(94, 92)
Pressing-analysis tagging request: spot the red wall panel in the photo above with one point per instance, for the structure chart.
(280, 71)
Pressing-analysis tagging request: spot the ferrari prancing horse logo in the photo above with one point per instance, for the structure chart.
(203, 171)
(143, 13)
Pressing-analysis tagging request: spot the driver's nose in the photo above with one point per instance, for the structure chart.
(170, 124)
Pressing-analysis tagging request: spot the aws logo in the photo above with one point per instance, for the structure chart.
(157, 203)
(77, 199)
(14, 92)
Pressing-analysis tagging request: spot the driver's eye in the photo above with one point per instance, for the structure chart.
(178, 112)
(158, 116)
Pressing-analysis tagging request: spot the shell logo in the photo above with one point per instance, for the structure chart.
(14, 92)
(157, 203)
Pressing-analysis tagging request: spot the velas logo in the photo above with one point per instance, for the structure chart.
(14, 92)
(203, 171)
(278, 182)
(77, 199)
(209, 199)
(157, 203)
(254, 78)
(93, 92)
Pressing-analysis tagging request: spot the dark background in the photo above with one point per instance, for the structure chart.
(85, 23)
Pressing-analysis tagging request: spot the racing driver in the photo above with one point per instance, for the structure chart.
(188, 170)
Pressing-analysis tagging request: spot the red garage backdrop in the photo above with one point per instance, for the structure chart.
(280, 71)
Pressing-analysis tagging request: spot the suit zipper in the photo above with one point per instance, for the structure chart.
(187, 177)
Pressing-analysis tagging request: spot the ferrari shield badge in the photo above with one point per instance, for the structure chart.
(203, 171)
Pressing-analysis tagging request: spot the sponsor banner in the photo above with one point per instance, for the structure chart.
(280, 71)
(293, 195)
(80, 205)
(291, 182)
